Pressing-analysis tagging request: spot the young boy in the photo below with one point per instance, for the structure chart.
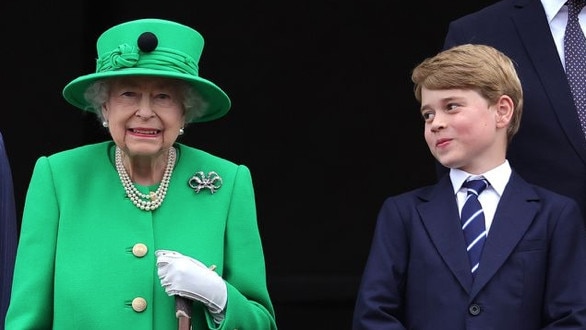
(531, 272)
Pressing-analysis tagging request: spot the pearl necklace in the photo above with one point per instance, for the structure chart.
(154, 199)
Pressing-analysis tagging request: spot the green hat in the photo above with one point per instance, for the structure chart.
(151, 47)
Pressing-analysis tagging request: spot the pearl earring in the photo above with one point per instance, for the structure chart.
(105, 123)
(181, 131)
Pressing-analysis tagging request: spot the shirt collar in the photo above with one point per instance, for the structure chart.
(552, 8)
(498, 177)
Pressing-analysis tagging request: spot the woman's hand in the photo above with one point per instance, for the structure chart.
(188, 277)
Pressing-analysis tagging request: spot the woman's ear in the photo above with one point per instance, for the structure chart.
(504, 110)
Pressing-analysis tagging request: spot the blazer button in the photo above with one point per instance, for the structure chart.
(139, 304)
(474, 309)
(139, 250)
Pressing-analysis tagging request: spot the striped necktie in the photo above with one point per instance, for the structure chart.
(473, 225)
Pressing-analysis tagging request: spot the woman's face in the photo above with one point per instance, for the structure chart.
(144, 114)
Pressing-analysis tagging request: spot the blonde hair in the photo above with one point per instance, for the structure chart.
(478, 67)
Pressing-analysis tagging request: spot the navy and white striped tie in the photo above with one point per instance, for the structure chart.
(473, 222)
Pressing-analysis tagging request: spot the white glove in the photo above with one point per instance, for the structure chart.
(187, 277)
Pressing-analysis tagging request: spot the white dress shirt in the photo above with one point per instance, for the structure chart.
(556, 12)
(497, 178)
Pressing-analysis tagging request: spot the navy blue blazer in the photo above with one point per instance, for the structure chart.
(532, 269)
(549, 149)
(8, 231)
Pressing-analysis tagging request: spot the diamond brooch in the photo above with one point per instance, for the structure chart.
(200, 180)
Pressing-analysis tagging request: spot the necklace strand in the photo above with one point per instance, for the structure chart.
(152, 200)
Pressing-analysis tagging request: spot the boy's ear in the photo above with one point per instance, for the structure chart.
(504, 110)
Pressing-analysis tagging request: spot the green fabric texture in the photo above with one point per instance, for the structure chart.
(75, 266)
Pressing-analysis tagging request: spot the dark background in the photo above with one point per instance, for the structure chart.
(323, 114)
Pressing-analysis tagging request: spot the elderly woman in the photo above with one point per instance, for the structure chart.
(113, 232)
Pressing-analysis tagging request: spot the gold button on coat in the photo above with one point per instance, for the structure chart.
(139, 304)
(139, 250)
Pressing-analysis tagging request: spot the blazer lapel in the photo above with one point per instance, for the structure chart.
(442, 221)
(514, 214)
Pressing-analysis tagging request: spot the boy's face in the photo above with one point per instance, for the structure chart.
(463, 131)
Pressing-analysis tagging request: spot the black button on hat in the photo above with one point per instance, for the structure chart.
(147, 42)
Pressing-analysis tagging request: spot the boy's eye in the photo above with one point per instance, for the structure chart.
(451, 106)
(427, 115)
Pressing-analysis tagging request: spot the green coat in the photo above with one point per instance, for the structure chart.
(81, 261)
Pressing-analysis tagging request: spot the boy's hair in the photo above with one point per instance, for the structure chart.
(478, 67)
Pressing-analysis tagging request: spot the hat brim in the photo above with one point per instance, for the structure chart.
(218, 103)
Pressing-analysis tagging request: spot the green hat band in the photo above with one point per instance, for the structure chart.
(164, 59)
